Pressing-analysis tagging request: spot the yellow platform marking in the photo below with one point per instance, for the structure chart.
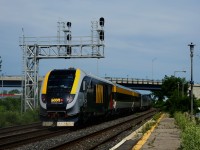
(145, 137)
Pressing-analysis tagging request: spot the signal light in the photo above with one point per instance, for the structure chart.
(69, 37)
(101, 35)
(101, 21)
(69, 24)
(69, 50)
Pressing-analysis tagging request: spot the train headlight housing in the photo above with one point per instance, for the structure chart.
(69, 98)
(43, 97)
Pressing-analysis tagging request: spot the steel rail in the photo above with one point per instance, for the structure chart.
(95, 138)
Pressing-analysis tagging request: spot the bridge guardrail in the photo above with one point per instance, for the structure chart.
(133, 81)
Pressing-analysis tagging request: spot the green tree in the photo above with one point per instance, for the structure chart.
(10, 104)
(10, 113)
(14, 91)
(196, 105)
(5, 91)
(174, 91)
(172, 84)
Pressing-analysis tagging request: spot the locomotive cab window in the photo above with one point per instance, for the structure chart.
(84, 85)
(61, 81)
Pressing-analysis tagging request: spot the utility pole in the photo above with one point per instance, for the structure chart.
(191, 81)
(0, 63)
(1, 75)
(153, 66)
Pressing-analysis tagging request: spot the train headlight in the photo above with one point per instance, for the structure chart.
(43, 97)
(69, 98)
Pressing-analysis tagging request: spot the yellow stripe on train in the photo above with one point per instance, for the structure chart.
(76, 81)
(44, 85)
(116, 89)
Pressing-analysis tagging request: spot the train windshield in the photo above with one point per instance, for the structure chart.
(60, 81)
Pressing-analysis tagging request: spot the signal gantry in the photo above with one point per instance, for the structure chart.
(64, 46)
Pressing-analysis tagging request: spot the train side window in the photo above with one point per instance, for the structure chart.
(84, 85)
(99, 93)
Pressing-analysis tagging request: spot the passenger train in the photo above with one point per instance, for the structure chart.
(69, 95)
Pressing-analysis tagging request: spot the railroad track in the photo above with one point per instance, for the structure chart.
(94, 136)
(20, 128)
(94, 139)
(13, 137)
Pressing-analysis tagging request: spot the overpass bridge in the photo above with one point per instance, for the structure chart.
(13, 81)
(10, 81)
(136, 84)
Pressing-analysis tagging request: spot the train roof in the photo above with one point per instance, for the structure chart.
(99, 78)
(87, 74)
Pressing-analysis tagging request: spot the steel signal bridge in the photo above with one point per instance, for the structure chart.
(62, 46)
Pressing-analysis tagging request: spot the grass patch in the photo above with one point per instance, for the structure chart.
(12, 118)
(10, 113)
(151, 123)
(190, 132)
(148, 126)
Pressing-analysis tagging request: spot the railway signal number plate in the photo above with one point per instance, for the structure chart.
(56, 100)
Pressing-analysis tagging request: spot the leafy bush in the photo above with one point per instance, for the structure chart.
(10, 113)
(173, 95)
(11, 118)
(190, 136)
(183, 120)
(157, 116)
(10, 104)
(30, 116)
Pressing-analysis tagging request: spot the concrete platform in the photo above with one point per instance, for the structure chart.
(166, 136)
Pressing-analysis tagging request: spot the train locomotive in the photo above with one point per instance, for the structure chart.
(70, 95)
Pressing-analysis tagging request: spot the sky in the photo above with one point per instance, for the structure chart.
(145, 39)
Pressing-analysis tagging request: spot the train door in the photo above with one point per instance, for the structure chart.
(87, 95)
(100, 97)
(90, 95)
(107, 96)
(94, 95)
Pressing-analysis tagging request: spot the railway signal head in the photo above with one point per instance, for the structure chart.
(101, 35)
(69, 24)
(101, 22)
(69, 37)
